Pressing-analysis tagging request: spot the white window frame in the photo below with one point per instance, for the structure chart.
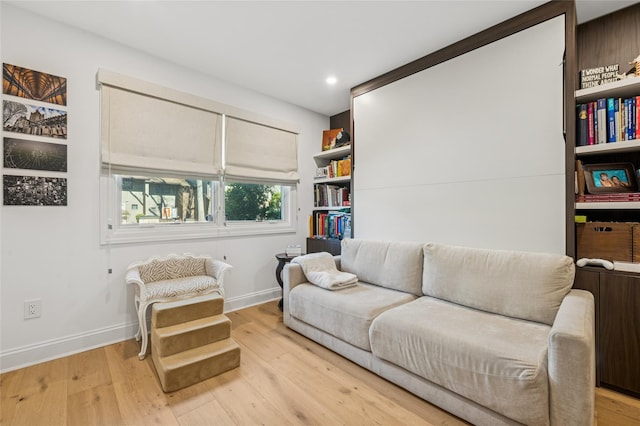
(113, 232)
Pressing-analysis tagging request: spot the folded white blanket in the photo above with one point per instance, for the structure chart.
(320, 269)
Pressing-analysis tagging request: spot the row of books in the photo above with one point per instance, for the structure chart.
(608, 120)
(331, 196)
(612, 197)
(335, 168)
(332, 225)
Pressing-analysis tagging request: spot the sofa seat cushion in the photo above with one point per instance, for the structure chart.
(497, 361)
(178, 287)
(347, 313)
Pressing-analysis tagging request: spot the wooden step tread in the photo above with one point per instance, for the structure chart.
(212, 350)
(198, 324)
(165, 314)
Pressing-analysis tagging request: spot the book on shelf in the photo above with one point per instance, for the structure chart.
(611, 197)
(602, 120)
(335, 168)
(326, 195)
(637, 119)
(582, 125)
(590, 124)
(332, 225)
(607, 120)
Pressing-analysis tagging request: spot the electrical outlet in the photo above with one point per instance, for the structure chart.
(32, 308)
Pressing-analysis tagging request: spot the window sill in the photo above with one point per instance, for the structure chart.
(190, 231)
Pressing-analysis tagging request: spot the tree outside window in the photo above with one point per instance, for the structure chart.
(253, 202)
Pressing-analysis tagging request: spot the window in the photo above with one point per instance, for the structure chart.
(253, 202)
(147, 200)
(163, 180)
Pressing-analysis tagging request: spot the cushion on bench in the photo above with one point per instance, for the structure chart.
(346, 313)
(172, 267)
(496, 361)
(177, 287)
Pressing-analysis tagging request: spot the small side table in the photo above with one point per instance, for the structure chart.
(283, 259)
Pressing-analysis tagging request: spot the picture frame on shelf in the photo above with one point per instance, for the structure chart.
(329, 138)
(610, 177)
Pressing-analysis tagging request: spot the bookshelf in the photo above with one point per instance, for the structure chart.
(623, 151)
(331, 218)
(331, 213)
(612, 39)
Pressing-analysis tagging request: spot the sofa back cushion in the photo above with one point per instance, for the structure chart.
(395, 265)
(522, 285)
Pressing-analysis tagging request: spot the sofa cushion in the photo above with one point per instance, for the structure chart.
(522, 285)
(396, 265)
(496, 361)
(346, 313)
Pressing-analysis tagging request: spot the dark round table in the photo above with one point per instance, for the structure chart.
(283, 259)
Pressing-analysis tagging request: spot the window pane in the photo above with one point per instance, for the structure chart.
(165, 200)
(253, 202)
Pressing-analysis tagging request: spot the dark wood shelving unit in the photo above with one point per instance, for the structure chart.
(612, 39)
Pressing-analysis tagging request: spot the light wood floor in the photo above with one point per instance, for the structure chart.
(283, 379)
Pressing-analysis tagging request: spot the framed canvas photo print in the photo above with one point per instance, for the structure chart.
(610, 177)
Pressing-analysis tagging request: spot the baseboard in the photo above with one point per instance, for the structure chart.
(48, 350)
(252, 299)
(57, 348)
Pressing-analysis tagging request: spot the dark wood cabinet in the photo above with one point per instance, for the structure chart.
(590, 280)
(617, 302)
(620, 331)
(315, 245)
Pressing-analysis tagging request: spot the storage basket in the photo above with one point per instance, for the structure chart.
(607, 240)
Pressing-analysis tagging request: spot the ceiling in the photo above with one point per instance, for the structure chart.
(287, 49)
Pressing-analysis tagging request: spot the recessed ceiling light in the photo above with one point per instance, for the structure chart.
(331, 80)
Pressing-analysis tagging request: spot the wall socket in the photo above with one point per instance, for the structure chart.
(32, 308)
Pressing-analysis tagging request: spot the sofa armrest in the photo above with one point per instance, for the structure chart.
(133, 277)
(572, 361)
(292, 275)
(217, 269)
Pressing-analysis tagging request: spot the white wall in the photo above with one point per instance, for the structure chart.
(54, 254)
(470, 151)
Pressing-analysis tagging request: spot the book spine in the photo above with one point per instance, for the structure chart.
(590, 124)
(633, 114)
(582, 124)
(596, 124)
(637, 117)
(611, 129)
(618, 125)
(624, 125)
(602, 120)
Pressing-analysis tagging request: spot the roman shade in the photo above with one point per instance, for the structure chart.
(259, 153)
(150, 128)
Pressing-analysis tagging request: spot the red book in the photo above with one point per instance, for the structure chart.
(591, 134)
(637, 117)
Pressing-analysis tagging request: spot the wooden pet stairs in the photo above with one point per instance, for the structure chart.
(191, 341)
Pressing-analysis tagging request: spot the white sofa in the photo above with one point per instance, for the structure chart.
(493, 337)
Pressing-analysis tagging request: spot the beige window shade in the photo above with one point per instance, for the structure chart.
(255, 152)
(146, 127)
